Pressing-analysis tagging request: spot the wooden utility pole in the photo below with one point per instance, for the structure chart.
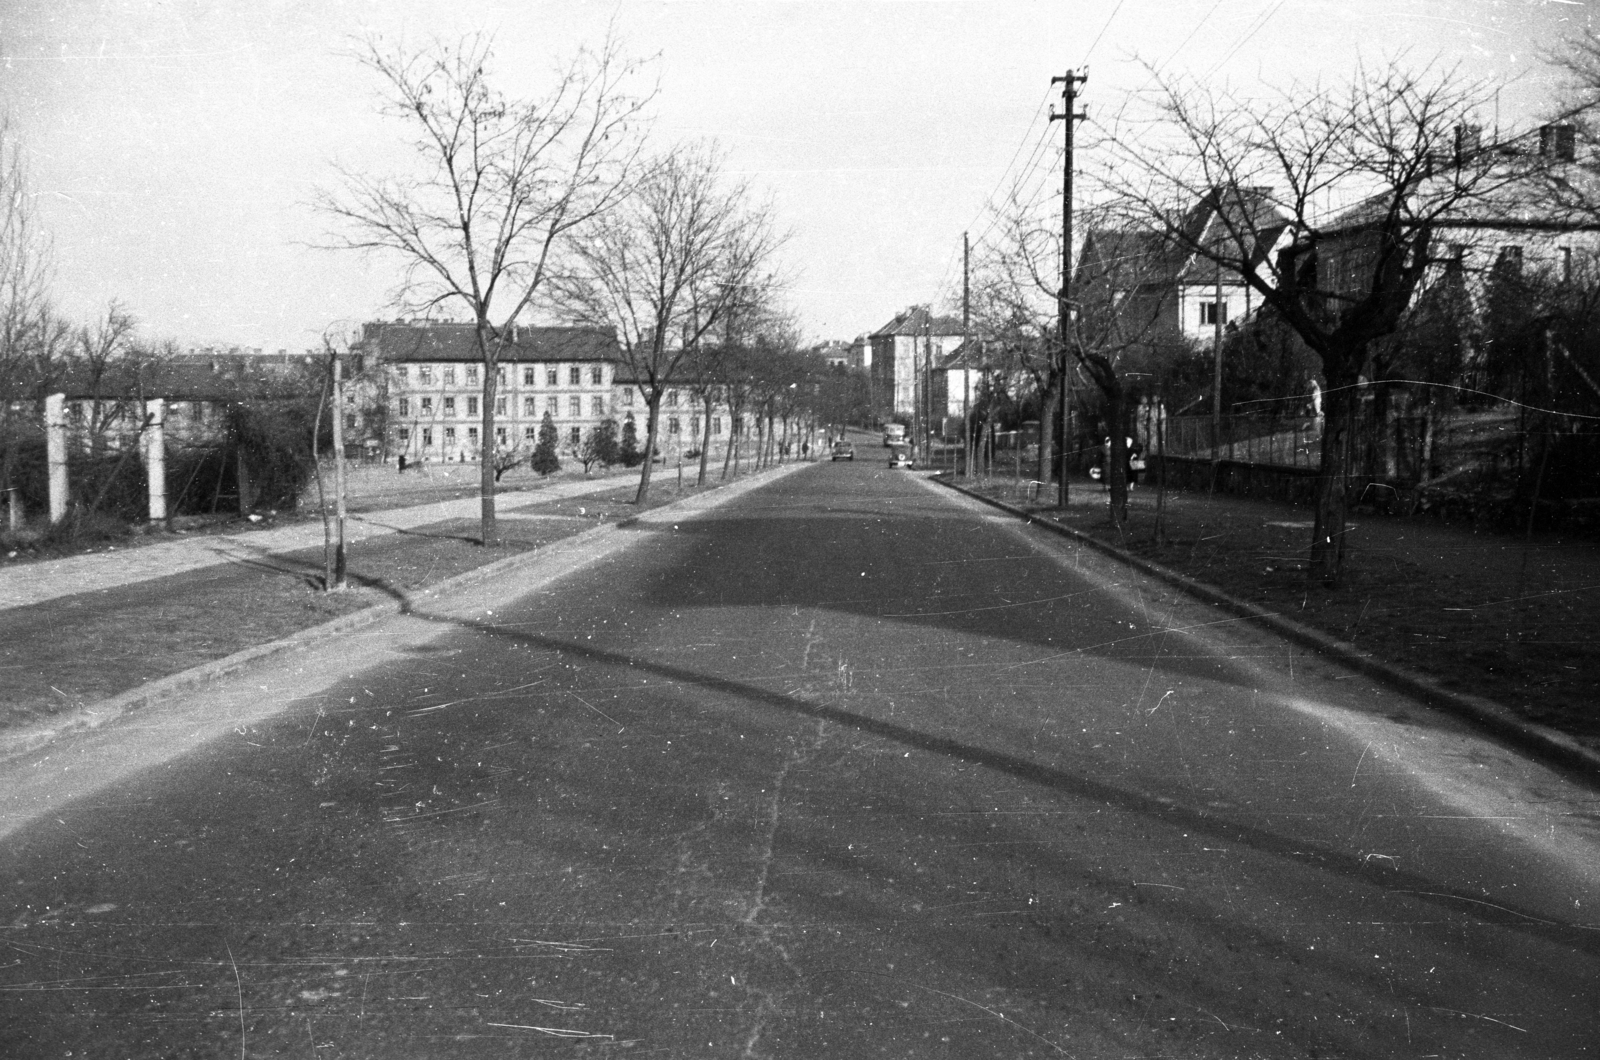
(966, 357)
(1071, 116)
(1216, 380)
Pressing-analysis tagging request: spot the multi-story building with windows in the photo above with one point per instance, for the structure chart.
(680, 424)
(432, 374)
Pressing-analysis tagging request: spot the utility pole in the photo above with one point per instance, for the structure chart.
(1071, 116)
(1216, 377)
(966, 357)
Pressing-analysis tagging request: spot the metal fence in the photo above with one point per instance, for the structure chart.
(1275, 441)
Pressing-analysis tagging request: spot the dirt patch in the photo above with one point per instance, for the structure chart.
(1511, 620)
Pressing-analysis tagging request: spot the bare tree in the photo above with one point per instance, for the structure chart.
(502, 185)
(1119, 305)
(33, 339)
(665, 267)
(1329, 197)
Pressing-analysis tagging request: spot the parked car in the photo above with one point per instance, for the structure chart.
(843, 450)
(900, 455)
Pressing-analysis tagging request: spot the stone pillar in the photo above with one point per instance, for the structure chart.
(155, 457)
(55, 443)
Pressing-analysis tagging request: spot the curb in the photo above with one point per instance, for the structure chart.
(93, 716)
(1554, 747)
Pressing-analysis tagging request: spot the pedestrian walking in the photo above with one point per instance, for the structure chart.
(402, 463)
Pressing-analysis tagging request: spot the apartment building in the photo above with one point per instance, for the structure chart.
(432, 377)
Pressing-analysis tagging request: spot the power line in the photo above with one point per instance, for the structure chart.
(1103, 29)
(1260, 23)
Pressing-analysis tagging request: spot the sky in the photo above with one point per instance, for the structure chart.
(175, 147)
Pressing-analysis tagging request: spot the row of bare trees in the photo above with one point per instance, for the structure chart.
(557, 205)
(1337, 207)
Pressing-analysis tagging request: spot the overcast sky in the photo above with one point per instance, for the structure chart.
(174, 145)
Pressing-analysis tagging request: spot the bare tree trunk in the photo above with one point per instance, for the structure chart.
(1328, 529)
(322, 493)
(1047, 422)
(488, 531)
(653, 410)
(705, 441)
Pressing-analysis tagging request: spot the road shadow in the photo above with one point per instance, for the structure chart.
(1306, 854)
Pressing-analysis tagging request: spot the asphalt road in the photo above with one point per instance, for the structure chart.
(847, 766)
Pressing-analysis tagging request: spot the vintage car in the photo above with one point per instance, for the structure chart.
(900, 455)
(843, 450)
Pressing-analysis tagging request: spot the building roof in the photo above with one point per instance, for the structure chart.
(1126, 258)
(189, 377)
(917, 322)
(410, 342)
(973, 354)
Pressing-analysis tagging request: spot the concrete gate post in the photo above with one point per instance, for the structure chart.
(155, 457)
(55, 447)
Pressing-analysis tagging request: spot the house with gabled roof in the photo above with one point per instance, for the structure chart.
(1156, 289)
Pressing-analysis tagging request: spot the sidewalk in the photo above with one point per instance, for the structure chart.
(34, 583)
(1474, 613)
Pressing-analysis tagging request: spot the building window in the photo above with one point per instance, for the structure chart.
(1209, 312)
(575, 436)
(597, 376)
(499, 436)
(672, 425)
(549, 377)
(449, 377)
(597, 406)
(500, 377)
(404, 407)
(425, 375)
(552, 405)
(427, 406)
(1510, 258)
(530, 406)
(694, 426)
(472, 375)
(627, 396)
(472, 437)
(575, 406)
(197, 410)
(575, 375)
(449, 436)
(672, 399)
(427, 437)
(449, 406)
(402, 373)
(472, 406)
(716, 425)
(530, 434)
(499, 406)
(405, 437)
(529, 376)
(350, 421)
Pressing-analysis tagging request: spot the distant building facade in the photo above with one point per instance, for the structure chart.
(903, 352)
(433, 387)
